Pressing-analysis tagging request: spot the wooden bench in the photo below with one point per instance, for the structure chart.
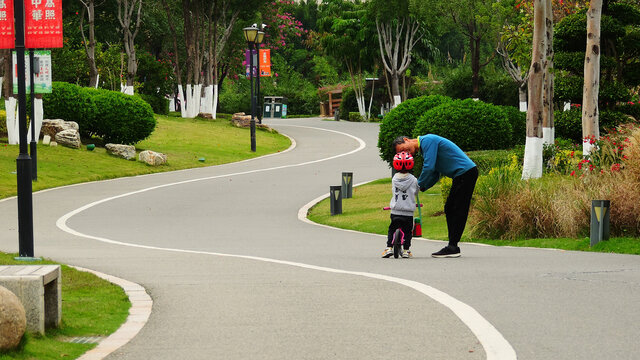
(39, 288)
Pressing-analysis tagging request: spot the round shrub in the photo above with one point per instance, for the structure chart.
(518, 121)
(402, 120)
(122, 119)
(472, 125)
(499, 89)
(71, 103)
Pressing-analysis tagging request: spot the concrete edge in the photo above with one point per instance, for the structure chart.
(141, 305)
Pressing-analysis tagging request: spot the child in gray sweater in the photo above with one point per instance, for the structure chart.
(403, 203)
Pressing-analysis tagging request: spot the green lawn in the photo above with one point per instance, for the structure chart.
(91, 306)
(184, 141)
(364, 213)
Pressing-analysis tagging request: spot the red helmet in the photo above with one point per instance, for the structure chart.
(403, 161)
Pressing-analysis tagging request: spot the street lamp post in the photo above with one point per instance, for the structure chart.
(258, 42)
(251, 34)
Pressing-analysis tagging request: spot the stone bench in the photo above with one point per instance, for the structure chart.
(39, 289)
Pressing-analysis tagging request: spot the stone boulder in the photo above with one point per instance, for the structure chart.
(53, 126)
(69, 138)
(152, 158)
(241, 120)
(13, 320)
(124, 151)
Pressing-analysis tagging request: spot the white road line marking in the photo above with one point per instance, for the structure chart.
(495, 345)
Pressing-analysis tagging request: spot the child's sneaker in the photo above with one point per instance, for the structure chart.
(388, 252)
(406, 254)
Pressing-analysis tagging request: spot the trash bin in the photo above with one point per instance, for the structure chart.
(284, 111)
(277, 110)
(267, 110)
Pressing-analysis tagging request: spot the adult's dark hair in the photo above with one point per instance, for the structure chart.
(397, 141)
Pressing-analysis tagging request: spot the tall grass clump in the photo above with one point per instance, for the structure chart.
(559, 205)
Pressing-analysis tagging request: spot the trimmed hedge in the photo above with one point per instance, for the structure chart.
(402, 120)
(472, 125)
(111, 115)
(518, 121)
(159, 104)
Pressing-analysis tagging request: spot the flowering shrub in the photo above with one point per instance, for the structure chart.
(608, 153)
(283, 26)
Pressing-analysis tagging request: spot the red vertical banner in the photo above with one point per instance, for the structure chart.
(7, 33)
(265, 62)
(43, 23)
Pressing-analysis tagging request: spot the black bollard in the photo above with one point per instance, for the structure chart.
(599, 221)
(335, 195)
(347, 185)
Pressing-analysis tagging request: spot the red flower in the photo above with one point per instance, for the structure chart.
(573, 173)
(615, 167)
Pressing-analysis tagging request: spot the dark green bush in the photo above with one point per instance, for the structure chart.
(518, 121)
(348, 103)
(457, 84)
(568, 124)
(632, 109)
(71, 103)
(499, 89)
(472, 125)
(569, 88)
(355, 117)
(234, 96)
(402, 120)
(111, 115)
(122, 119)
(159, 104)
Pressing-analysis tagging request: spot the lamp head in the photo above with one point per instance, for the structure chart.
(251, 33)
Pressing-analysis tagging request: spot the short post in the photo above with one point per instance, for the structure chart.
(336, 115)
(599, 221)
(335, 195)
(347, 185)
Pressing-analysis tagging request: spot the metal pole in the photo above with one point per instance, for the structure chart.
(34, 141)
(258, 86)
(253, 100)
(23, 162)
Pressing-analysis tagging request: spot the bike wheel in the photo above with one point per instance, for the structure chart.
(397, 243)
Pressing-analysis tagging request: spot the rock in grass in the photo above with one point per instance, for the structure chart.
(124, 151)
(152, 158)
(13, 320)
(69, 138)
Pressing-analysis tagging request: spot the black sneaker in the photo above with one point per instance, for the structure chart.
(447, 252)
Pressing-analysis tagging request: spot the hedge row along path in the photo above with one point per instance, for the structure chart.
(234, 274)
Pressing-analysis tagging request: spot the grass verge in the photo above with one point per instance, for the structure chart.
(184, 141)
(91, 306)
(363, 212)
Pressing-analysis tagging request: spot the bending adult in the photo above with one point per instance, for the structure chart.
(443, 157)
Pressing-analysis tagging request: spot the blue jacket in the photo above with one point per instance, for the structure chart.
(441, 157)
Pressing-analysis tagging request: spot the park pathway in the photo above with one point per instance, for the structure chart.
(235, 274)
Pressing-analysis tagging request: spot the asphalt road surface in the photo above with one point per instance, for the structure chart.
(235, 273)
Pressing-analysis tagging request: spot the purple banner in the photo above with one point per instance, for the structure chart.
(247, 62)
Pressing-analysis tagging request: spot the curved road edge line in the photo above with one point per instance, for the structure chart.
(139, 312)
(494, 344)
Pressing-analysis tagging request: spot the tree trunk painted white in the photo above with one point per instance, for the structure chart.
(522, 96)
(193, 100)
(215, 101)
(397, 100)
(590, 115)
(38, 112)
(206, 105)
(1, 80)
(183, 107)
(547, 96)
(532, 166)
(567, 106)
(126, 89)
(548, 135)
(13, 134)
(172, 104)
(362, 108)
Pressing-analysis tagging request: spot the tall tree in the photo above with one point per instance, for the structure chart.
(590, 116)
(547, 93)
(532, 167)
(398, 32)
(129, 12)
(90, 46)
(347, 37)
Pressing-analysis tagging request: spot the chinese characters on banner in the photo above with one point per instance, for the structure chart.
(41, 76)
(265, 62)
(7, 34)
(43, 23)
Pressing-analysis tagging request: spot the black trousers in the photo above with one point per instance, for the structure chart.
(456, 209)
(401, 222)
